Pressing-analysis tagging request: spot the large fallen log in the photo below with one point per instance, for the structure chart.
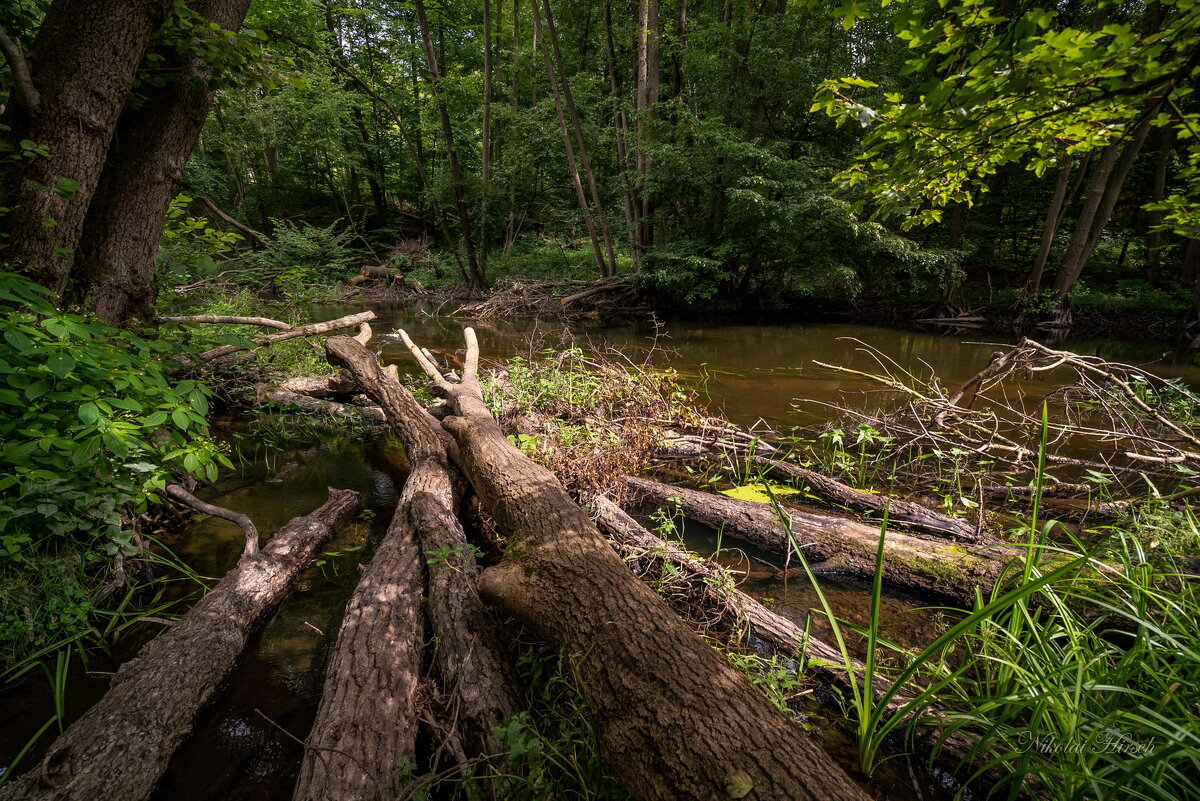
(900, 512)
(752, 623)
(121, 746)
(672, 717)
(469, 657)
(366, 724)
(912, 563)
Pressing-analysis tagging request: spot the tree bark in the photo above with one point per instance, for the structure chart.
(672, 717)
(116, 263)
(366, 724)
(914, 564)
(469, 656)
(82, 64)
(1158, 188)
(121, 746)
(646, 101)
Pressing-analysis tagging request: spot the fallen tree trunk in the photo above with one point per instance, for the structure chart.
(931, 568)
(672, 717)
(321, 406)
(469, 657)
(312, 329)
(120, 747)
(751, 622)
(366, 724)
(321, 386)
(905, 513)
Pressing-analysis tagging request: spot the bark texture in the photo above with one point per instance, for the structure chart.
(120, 747)
(470, 657)
(105, 41)
(672, 717)
(923, 566)
(116, 262)
(366, 723)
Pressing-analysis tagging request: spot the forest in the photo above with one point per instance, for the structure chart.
(599, 399)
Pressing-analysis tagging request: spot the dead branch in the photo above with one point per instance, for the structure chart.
(243, 522)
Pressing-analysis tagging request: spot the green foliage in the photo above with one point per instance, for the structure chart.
(299, 255)
(191, 245)
(982, 91)
(93, 428)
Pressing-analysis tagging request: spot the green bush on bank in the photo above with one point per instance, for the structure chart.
(92, 428)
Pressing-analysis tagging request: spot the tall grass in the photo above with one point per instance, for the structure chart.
(1076, 675)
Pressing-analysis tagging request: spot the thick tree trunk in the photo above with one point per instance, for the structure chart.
(903, 513)
(672, 717)
(116, 262)
(366, 724)
(83, 63)
(914, 564)
(120, 747)
(469, 656)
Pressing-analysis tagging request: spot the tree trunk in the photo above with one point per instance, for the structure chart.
(83, 63)
(646, 102)
(469, 656)
(1054, 211)
(116, 262)
(914, 564)
(1102, 199)
(485, 167)
(568, 146)
(903, 513)
(477, 271)
(121, 746)
(621, 134)
(672, 717)
(589, 173)
(1158, 189)
(366, 724)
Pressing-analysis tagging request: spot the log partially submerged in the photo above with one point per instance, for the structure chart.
(905, 513)
(470, 658)
(924, 566)
(121, 746)
(672, 717)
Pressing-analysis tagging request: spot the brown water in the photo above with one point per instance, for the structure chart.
(246, 744)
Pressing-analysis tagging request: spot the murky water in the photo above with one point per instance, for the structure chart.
(246, 745)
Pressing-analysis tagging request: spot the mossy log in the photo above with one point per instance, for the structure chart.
(120, 747)
(924, 566)
(907, 514)
(672, 717)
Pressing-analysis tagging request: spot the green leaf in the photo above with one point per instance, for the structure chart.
(90, 413)
(61, 363)
(181, 419)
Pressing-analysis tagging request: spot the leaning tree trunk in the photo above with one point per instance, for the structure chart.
(116, 261)
(672, 717)
(121, 746)
(923, 566)
(82, 65)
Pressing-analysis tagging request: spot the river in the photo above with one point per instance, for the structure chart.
(246, 745)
